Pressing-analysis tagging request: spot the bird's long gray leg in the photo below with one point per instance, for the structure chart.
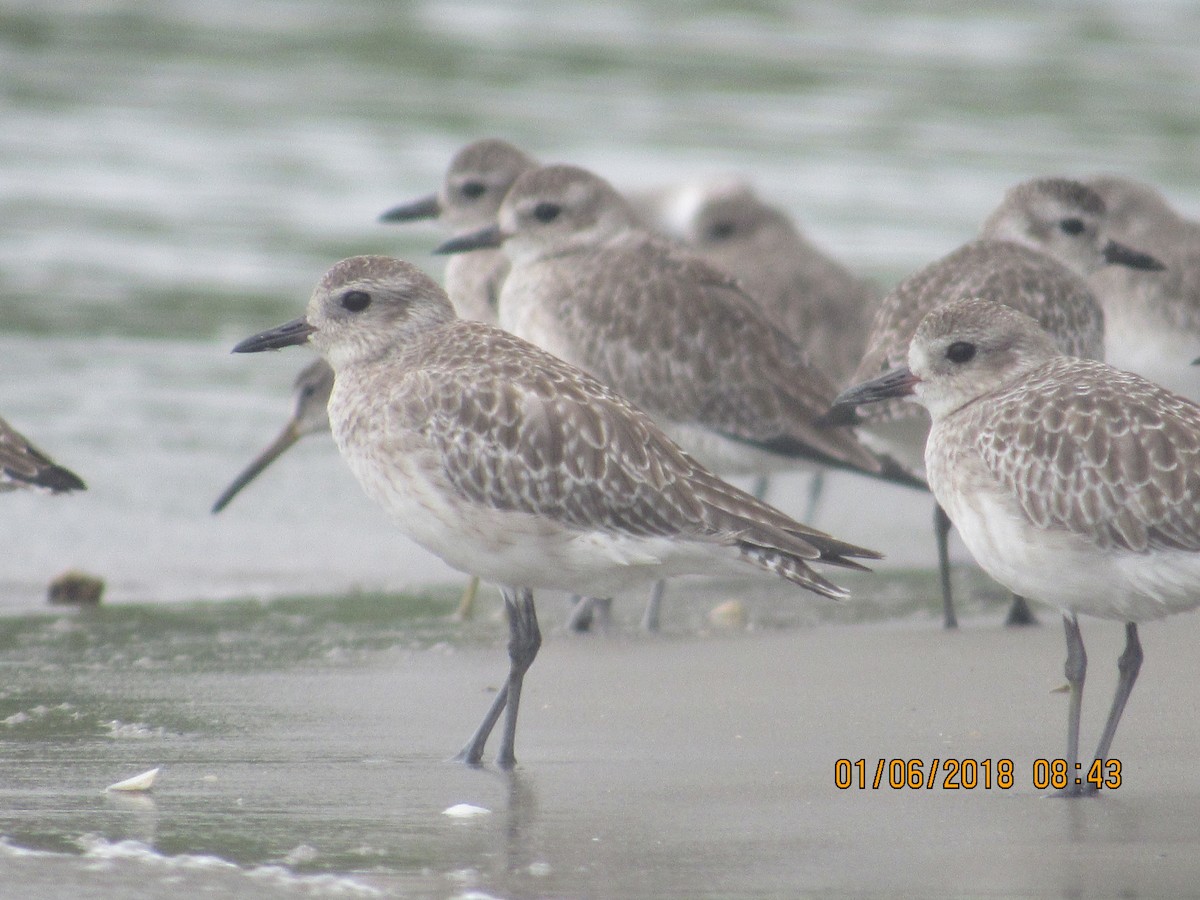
(524, 640)
(466, 603)
(816, 487)
(941, 534)
(762, 484)
(1076, 670)
(1019, 612)
(1128, 666)
(653, 614)
(472, 752)
(581, 616)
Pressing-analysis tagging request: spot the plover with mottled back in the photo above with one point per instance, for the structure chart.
(1033, 255)
(506, 461)
(820, 303)
(663, 327)
(1151, 318)
(24, 466)
(475, 183)
(1071, 482)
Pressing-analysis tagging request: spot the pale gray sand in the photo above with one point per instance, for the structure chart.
(688, 765)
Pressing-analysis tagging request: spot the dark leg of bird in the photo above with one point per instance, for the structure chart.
(466, 603)
(1128, 666)
(1019, 612)
(472, 752)
(1075, 670)
(941, 533)
(760, 487)
(581, 617)
(524, 640)
(653, 615)
(816, 486)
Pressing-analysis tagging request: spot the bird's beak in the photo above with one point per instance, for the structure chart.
(1121, 255)
(899, 382)
(292, 334)
(290, 434)
(484, 238)
(414, 210)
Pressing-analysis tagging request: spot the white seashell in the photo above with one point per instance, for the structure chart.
(465, 811)
(142, 782)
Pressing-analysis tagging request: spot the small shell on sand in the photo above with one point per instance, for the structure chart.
(142, 782)
(729, 615)
(465, 811)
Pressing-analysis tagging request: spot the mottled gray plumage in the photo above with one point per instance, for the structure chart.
(1152, 317)
(475, 183)
(507, 462)
(22, 465)
(1024, 259)
(663, 327)
(824, 307)
(1071, 482)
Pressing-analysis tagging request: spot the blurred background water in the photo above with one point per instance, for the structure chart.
(176, 175)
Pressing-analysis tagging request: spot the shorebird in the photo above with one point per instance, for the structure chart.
(817, 301)
(479, 176)
(508, 462)
(1033, 255)
(666, 329)
(1152, 318)
(310, 395)
(24, 466)
(823, 306)
(1071, 482)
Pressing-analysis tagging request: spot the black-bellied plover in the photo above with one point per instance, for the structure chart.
(663, 327)
(1033, 254)
(479, 176)
(507, 462)
(1071, 482)
(22, 465)
(821, 304)
(1151, 318)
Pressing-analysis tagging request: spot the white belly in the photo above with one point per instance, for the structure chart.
(1065, 570)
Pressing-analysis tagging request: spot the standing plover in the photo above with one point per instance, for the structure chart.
(1071, 482)
(507, 462)
(477, 179)
(1033, 254)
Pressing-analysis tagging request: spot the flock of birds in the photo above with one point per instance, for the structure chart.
(562, 415)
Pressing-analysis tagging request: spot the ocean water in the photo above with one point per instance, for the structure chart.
(175, 176)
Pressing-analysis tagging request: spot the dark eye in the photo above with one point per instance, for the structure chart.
(960, 351)
(356, 301)
(546, 212)
(473, 189)
(1072, 226)
(721, 231)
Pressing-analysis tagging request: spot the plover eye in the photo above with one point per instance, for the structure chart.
(720, 231)
(546, 212)
(356, 301)
(473, 189)
(1072, 226)
(960, 351)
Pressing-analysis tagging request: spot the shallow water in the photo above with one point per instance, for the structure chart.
(175, 176)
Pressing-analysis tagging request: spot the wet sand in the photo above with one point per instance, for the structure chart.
(685, 765)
